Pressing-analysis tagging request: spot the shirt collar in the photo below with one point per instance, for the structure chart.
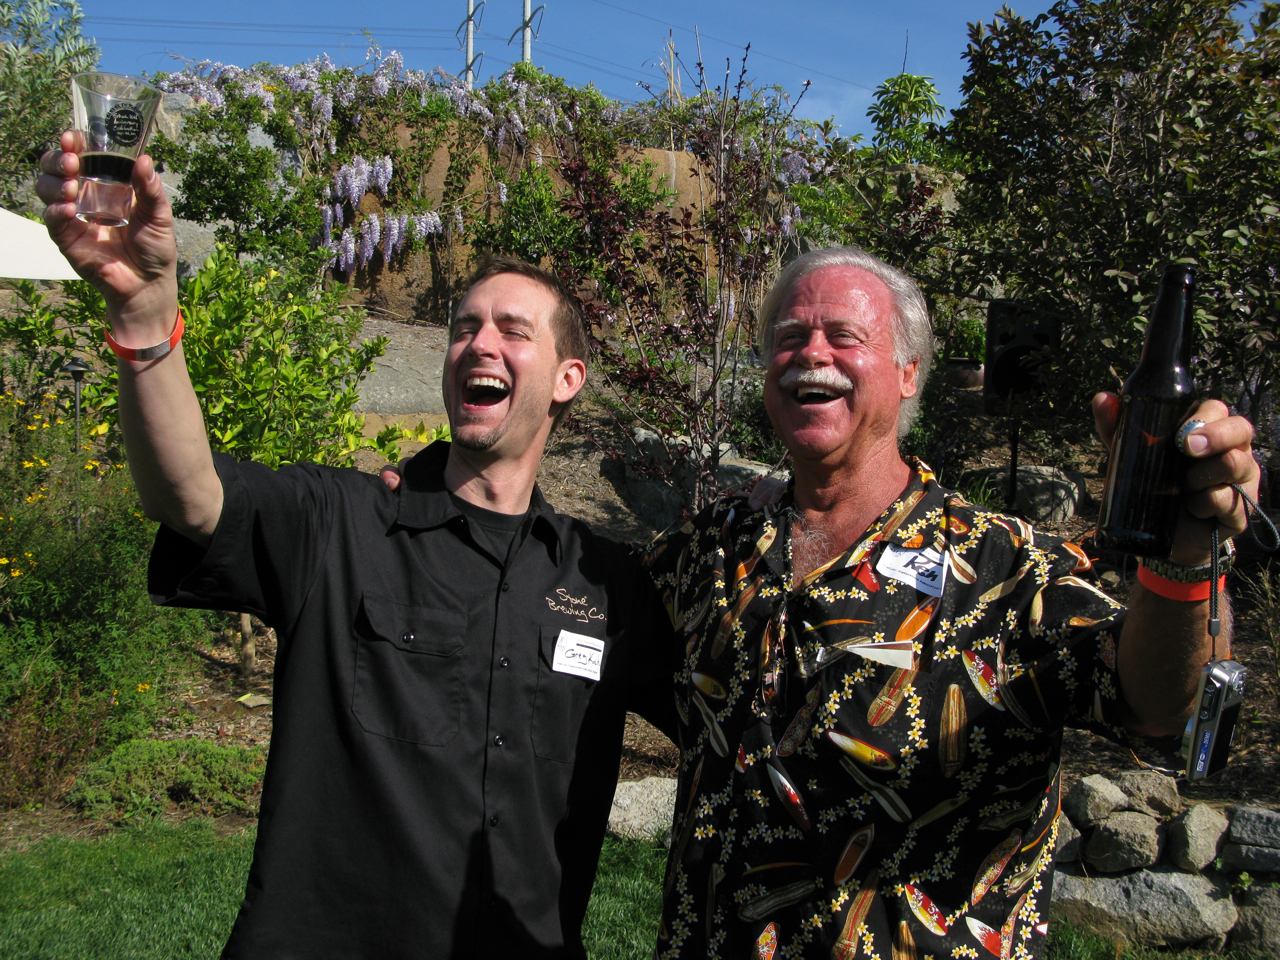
(914, 518)
(425, 501)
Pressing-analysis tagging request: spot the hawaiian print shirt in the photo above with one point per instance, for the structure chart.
(869, 762)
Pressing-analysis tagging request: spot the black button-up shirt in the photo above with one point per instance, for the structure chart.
(436, 787)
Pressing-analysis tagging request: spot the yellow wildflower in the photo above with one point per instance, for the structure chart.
(15, 572)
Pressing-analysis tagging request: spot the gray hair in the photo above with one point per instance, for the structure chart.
(912, 331)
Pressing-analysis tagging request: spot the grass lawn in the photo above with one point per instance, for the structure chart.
(172, 890)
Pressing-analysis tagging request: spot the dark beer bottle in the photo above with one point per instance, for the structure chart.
(1144, 479)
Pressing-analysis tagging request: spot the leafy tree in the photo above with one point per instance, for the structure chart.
(1106, 138)
(902, 111)
(40, 49)
(233, 177)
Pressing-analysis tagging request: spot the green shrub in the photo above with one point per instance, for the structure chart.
(85, 658)
(275, 361)
(141, 778)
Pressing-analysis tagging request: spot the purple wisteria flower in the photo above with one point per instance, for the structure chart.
(502, 192)
(339, 217)
(254, 88)
(322, 106)
(326, 225)
(394, 233)
(345, 91)
(364, 249)
(380, 174)
(785, 222)
(352, 180)
(425, 224)
(347, 250)
(457, 219)
(381, 85)
(795, 169)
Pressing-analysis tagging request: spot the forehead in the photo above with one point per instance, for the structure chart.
(509, 296)
(838, 292)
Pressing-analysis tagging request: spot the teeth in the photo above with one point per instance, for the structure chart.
(817, 392)
(493, 382)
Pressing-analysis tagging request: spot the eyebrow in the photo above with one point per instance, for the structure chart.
(515, 319)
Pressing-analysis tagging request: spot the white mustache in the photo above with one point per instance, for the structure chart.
(828, 377)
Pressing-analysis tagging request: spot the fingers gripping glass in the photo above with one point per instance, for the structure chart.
(113, 116)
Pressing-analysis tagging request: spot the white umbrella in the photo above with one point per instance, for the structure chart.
(27, 253)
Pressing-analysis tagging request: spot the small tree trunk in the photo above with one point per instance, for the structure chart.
(248, 652)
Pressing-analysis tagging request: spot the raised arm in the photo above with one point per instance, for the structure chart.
(1165, 642)
(135, 268)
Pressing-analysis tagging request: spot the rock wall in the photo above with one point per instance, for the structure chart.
(1135, 861)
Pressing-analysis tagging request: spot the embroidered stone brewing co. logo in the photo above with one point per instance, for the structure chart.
(125, 124)
(579, 608)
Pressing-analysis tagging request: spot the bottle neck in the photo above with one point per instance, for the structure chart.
(1166, 353)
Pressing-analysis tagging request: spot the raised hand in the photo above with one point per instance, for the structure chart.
(134, 266)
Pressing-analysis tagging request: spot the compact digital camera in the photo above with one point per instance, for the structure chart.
(1206, 744)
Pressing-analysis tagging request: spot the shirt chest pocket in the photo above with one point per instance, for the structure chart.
(408, 671)
(559, 705)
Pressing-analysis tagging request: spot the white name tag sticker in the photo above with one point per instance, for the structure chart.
(579, 655)
(926, 569)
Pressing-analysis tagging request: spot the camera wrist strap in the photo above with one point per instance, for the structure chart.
(1251, 516)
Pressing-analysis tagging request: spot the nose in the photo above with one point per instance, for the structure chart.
(816, 352)
(484, 342)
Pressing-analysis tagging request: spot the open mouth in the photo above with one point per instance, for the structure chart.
(814, 394)
(484, 391)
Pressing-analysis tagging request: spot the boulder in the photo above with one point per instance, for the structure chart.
(642, 809)
(1193, 838)
(1125, 841)
(1067, 849)
(659, 499)
(1245, 856)
(740, 474)
(1258, 930)
(1044, 493)
(1256, 826)
(1151, 793)
(1158, 906)
(1093, 799)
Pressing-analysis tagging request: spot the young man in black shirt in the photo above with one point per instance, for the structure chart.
(455, 659)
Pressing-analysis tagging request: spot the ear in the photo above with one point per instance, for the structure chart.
(909, 384)
(571, 375)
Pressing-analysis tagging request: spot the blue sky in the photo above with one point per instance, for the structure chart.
(845, 47)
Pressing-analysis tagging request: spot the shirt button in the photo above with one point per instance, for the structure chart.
(497, 741)
(504, 662)
(407, 637)
(493, 821)
(506, 587)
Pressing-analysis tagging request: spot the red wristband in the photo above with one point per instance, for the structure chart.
(1173, 590)
(147, 353)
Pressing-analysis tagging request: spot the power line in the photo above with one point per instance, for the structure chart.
(545, 46)
(790, 63)
(243, 43)
(241, 25)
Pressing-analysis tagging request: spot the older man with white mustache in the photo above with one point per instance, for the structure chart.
(877, 673)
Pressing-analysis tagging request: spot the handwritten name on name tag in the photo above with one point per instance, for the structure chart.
(926, 569)
(579, 655)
